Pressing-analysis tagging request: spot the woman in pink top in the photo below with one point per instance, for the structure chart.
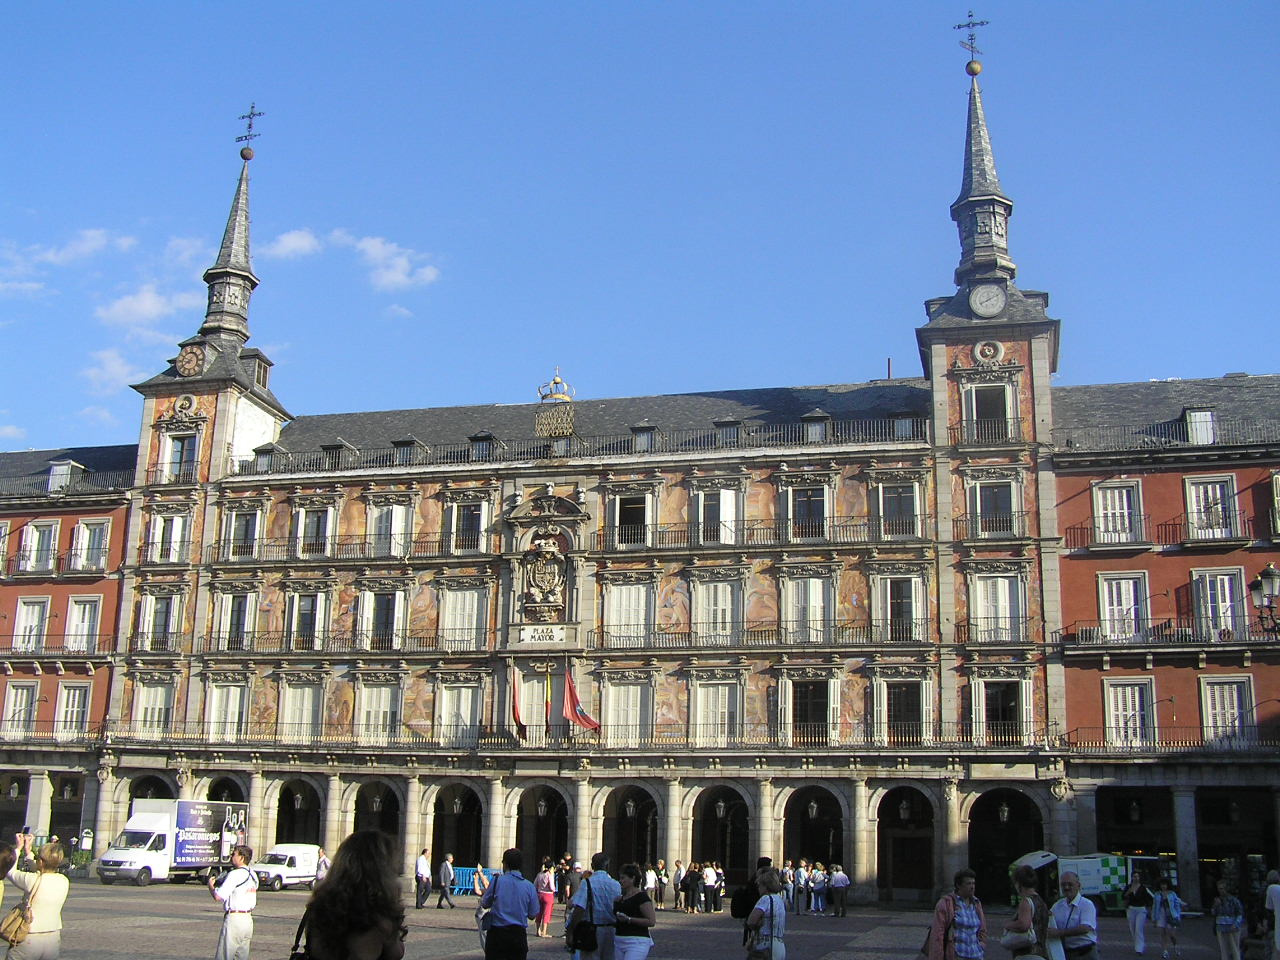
(544, 883)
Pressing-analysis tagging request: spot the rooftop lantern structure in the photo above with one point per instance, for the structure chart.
(554, 417)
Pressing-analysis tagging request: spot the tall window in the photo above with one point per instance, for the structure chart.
(904, 712)
(986, 413)
(162, 622)
(1220, 606)
(808, 513)
(459, 714)
(632, 520)
(82, 624)
(1115, 514)
(379, 712)
(468, 531)
(182, 458)
(810, 709)
(807, 597)
(19, 710)
(1211, 511)
(629, 714)
(717, 713)
(32, 623)
(1123, 600)
(243, 532)
(39, 546)
(1001, 711)
(991, 506)
(999, 610)
(89, 546)
(628, 618)
(168, 538)
(72, 718)
(227, 714)
(302, 712)
(381, 616)
(899, 516)
(389, 530)
(313, 532)
(717, 516)
(307, 620)
(153, 709)
(898, 615)
(1129, 712)
(716, 613)
(1227, 707)
(465, 618)
(237, 628)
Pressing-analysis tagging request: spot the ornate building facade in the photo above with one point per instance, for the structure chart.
(836, 622)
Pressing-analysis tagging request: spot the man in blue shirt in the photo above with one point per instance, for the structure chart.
(513, 903)
(605, 891)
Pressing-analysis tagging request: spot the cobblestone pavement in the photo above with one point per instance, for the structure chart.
(179, 922)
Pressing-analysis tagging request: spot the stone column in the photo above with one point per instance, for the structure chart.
(1188, 845)
(1062, 834)
(103, 827)
(429, 825)
(494, 824)
(257, 828)
(582, 821)
(1086, 818)
(674, 842)
(270, 822)
(764, 823)
(412, 822)
(39, 802)
(186, 784)
(333, 815)
(953, 845)
(861, 872)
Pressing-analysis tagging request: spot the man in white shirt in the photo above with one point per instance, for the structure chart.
(422, 879)
(446, 883)
(1075, 921)
(238, 894)
(1272, 903)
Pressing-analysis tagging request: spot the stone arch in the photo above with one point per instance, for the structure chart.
(691, 798)
(230, 783)
(461, 833)
(1035, 797)
(907, 830)
(783, 793)
(542, 811)
(816, 825)
(631, 816)
(516, 794)
(722, 816)
(299, 804)
(163, 786)
(1003, 823)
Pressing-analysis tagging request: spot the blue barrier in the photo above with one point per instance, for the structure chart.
(464, 880)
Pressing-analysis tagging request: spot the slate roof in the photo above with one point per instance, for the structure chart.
(878, 399)
(34, 463)
(232, 361)
(1236, 397)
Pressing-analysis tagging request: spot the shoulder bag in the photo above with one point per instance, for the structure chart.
(584, 931)
(17, 922)
(302, 948)
(760, 947)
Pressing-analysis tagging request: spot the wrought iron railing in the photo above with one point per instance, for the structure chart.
(994, 630)
(1170, 631)
(986, 432)
(1103, 532)
(36, 644)
(346, 547)
(166, 551)
(880, 432)
(1170, 434)
(159, 642)
(990, 526)
(838, 530)
(75, 485)
(1139, 739)
(37, 563)
(1207, 526)
(371, 641)
(813, 633)
(172, 474)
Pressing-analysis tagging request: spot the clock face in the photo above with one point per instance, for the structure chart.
(987, 299)
(190, 361)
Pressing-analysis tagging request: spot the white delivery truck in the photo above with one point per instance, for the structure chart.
(287, 865)
(174, 840)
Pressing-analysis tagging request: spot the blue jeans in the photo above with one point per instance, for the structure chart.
(789, 895)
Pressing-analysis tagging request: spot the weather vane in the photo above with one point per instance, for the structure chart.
(970, 43)
(253, 114)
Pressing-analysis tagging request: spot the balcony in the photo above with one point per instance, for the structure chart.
(84, 563)
(1219, 527)
(158, 642)
(788, 633)
(987, 433)
(45, 733)
(994, 631)
(1236, 740)
(1171, 435)
(1170, 632)
(76, 484)
(884, 432)
(347, 547)
(1118, 533)
(990, 526)
(444, 640)
(834, 530)
(33, 563)
(36, 644)
(166, 552)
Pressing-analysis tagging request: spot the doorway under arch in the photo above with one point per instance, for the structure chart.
(542, 827)
(631, 827)
(299, 814)
(904, 861)
(226, 790)
(150, 787)
(721, 825)
(458, 826)
(813, 827)
(1003, 825)
(378, 808)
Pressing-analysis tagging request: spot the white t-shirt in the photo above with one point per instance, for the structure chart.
(238, 891)
(1273, 904)
(778, 926)
(650, 879)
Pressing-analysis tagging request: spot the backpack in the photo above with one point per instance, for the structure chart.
(743, 902)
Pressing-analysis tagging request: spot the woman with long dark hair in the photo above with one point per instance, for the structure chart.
(356, 914)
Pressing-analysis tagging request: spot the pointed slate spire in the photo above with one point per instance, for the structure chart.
(982, 210)
(231, 279)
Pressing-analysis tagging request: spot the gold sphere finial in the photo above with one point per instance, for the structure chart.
(973, 68)
(246, 153)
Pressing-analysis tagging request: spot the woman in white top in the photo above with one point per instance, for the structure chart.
(47, 890)
(769, 916)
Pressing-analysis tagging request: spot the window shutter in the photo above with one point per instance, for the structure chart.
(728, 515)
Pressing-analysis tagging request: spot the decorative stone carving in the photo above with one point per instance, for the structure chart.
(804, 478)
(292, 584)
(709, 484)
(720, 572)
(379, 676)
(391, 498)
(1060, 789)
(468, 494)
(949, 789)
(318, 500)
(170, 508)
(455, 581)
(899, 568)
(385, 584)
(304, 676)
(1015, 565)
(1013, 473)
(544, 576)
(631, 487)
(808, 673)
(614, 675)
(1000, 671)
(167, 588)
(905, 671)
(183, 776)
(251, 585)
(716, 673)
(628, 576)
(227, 676)
(155, 676)
(987, 372)
(806, 569)
(460, 676)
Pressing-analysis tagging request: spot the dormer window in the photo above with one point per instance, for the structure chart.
(260, 373)
(642, 437)
(728, 432)
(481, 445)
(406, 452)
(63, 473)
(1202, 426)
(816, 424)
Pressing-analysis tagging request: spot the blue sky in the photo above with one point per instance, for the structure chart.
(450, 199)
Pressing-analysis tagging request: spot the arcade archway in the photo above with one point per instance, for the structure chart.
(299, 814)
(721, 832)
(904, 861)
(813, 827)
(631, 827)
(227, 790)
(542, 826)
(458, 826)
(1003, 825)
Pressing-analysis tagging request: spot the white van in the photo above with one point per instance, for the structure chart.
(287, 865)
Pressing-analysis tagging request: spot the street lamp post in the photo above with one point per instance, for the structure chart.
(1265, 592)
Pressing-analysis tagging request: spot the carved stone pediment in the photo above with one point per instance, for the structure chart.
(385, 584)
(303, 584)
(484, 494)
(380, 676)
(390, 498)
(805, 478)
(629, 674)
(1013, 472)
(304, 676)
(1016, 565)
(464, 581)
(1000, 671)
(155, 676)
(899, 568)
(230, 502)
(170, 508)
(315, 500)
(249, 585)
(164, 588)
(899, 671)
(811, 672)
(459, 676)
(727, 571)
(622, 488)
(709, 484)
(983, 372)
(798, 569)
(546, 509)
(228, 676)
(639, 575)
(733, 672)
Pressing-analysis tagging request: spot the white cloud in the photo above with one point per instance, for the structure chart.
(85, 244)
(9, 432)
(187, 250)
(292, 245)
(110, 372)
(138, 312)
(397, 312)
(391, 266)
(99, 415)
(19, 287)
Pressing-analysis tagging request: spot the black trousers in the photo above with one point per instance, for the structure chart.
(422, 890)
(445, 894)
(839, 897)
(506, 943)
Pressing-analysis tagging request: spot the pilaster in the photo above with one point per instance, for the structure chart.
(1187, 843)
(1086, 817)
(257, 828)
(582, 820)
(862, 872)
(412, 823)
(39, 801)
(674, 841)
(953, 847)
(333, 815)
(102, 825)
(495, 821)
(765, 826)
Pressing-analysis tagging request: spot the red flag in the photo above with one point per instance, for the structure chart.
(521, 730)
(574, 712)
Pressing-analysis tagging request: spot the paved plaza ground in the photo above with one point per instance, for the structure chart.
(179, 922)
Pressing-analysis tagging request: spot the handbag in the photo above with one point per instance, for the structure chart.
(584, 936)
(1013, 940)
(761, 947)
(301, 949)
(17, 922)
